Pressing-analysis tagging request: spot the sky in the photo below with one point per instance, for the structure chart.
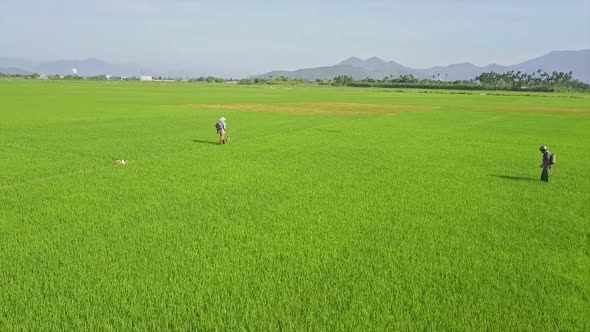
(241, 37)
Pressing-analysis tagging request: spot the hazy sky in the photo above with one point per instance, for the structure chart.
(251, 37)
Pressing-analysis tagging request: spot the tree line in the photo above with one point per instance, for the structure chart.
(280, 80)
(68, 77)
(202, 79)
(510, 81)
(538, 81)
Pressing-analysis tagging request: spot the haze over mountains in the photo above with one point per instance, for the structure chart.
(94, 67)
(88, 67)
(564, 61)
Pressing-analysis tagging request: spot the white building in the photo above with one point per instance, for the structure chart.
(146, 78)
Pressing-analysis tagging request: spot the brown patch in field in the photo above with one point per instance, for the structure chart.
(535, 109)
(319, 109)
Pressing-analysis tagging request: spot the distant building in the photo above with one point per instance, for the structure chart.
(146, 78)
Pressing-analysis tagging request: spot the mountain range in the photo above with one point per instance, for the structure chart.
(561, 61)
(87, 67)
(95, 67)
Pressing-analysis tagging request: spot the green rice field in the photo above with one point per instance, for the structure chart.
(329, 210)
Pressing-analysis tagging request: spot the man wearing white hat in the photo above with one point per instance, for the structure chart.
(221, 127)
(548, 161)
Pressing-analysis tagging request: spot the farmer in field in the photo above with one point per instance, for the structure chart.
(548, 161)
(221, 127)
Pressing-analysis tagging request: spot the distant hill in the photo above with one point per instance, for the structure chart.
(576, 61)
(87, 67)
(354, 67)
(95, 67)
(14, 71)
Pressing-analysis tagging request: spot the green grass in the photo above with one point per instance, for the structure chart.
(379, 217)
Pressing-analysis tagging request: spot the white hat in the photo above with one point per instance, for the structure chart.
(222, 119)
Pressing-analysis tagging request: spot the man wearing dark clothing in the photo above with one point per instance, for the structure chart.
(547, 163)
